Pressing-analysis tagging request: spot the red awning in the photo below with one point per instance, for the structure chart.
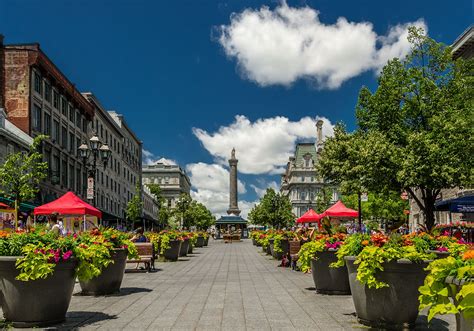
(4, 206)
(68, 204)
(340, 210)
(309, 217)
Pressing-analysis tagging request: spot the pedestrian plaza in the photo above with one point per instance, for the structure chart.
(219, 287)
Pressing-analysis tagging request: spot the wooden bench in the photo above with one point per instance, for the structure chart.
(146, 255)
(295, 246)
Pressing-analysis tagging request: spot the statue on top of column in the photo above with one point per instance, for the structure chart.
(232, 155)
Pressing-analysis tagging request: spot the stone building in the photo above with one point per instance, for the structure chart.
(109, 180)
(12, 139)
(300, 182)
(130, 160)
(40, 99)
(463, 47)
(150, 206)
(172, 179)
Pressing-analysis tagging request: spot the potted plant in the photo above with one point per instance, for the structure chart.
(169, 244)
(281, 245)
(450, 278)
(317, 256)
(201, 238)
(119, 247)
(38, 270)
(384, 275)
(183, 250)
(264, 242)
(254, 235)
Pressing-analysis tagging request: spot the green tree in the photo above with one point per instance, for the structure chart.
(164, 212)
(415, 132)
(274, 209)
(182, 205)
(198, 215)
(22, 172)
(323, 199)
(135, 206)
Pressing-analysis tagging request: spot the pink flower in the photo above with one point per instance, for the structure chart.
(442, 249)
(67, 255)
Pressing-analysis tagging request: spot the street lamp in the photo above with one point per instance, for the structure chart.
(91, 154)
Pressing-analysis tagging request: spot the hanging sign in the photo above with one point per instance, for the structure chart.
(364, 197)
(90, 188)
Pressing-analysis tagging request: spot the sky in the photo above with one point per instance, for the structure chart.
(195, 78)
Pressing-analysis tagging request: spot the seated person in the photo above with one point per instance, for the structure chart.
(139, 237)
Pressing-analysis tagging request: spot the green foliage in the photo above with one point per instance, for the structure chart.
(135, 206)
(380, 206)
(22, 172)
(435, 293)
(352, 246)
(278, 237)
(274, 209)
(35, 264)
(308, 252)
(323, 199)
(414, 131)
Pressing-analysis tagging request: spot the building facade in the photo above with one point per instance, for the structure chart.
(150, 206)
(130, 161)
(12, 139)
(301, 182)
(463, 47)
(40, 99)
(109, 180)
(172, 179)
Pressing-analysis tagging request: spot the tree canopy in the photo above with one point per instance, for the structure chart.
(273, 209)
(415, 132)
(193, 213)
(135, 206)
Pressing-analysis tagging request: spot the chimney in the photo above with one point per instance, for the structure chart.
(319, 132)
(2, 73)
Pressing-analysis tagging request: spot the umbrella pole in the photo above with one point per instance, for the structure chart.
(84, 219)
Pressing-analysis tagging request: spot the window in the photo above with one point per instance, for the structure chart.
(71, 114)
(36, 118)
(167, 180)
(38, 83)
(64, 106)
(64, 173)
(78, 119)
(303, 195)
(78, 142)
(55, 170)
(55, 99)
(64, 137)
(78, 181)
(72, 182)
(56, 131)
(47, 124)
(302, 178)
(72, 142)
(47, 92)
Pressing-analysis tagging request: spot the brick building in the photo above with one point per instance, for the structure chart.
(40, 99)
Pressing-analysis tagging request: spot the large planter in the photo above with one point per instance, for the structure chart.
(172, 253)
(254, 242)
(35, 303)
(110, 279)
(190, 248)
(393, 307)
(200, 241)
(183, 250)
(329, 280)
(439, 254)
(268, 250)
(462, 323)
(206, 241)
(285, 247)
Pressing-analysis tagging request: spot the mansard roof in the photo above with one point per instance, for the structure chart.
(302, 149)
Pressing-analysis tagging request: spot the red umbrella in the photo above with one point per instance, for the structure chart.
(4, 206)
(340, 210)
(309, 217)
(68, 204)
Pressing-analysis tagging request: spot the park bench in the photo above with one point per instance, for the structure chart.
(295, 246)
(146, 255)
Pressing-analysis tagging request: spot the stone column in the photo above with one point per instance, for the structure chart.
(233, 193)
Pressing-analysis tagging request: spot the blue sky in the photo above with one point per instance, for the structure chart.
(180, 71)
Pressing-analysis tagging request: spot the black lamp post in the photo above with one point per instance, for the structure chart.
(91, 155)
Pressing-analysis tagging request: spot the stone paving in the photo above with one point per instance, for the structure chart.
(219, 287)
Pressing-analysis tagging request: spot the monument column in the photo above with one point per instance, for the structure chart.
(233, 193)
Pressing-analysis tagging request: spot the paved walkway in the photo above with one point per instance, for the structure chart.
(222, 286)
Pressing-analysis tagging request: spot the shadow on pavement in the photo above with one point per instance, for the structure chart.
(310, 288)
(141, 271)
(130, 290)
(435, 324)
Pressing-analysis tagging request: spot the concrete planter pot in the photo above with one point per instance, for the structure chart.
(254, 242)
(462, 323)
(200, 241)
(285, 247)
(36, 303)
(183, 251)
(110, 280)
(190, 248)
(329, 280)
(393, 307)
(268, 250)
(206, 241)
(439, 255)
(172, 253)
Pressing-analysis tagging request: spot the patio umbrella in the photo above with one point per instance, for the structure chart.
(339, 210)
(309, 217)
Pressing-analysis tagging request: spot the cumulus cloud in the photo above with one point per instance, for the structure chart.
(276, 139)
(280, 46)
(150, 158)
(211, 187)
(263, 186)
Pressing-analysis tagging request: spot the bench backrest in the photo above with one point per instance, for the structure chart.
(144, 248)
(294, 247)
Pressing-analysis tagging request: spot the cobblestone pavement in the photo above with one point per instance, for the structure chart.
(219, 287)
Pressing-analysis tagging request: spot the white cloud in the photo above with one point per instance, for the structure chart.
(280, 46)
(211, 187)
(263, 146)
(263, 186)
(150, 158)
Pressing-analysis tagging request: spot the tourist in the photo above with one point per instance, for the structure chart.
(139, 237)
(53, 224)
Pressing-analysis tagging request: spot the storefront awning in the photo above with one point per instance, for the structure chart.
(463, 204)
(231, 219)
